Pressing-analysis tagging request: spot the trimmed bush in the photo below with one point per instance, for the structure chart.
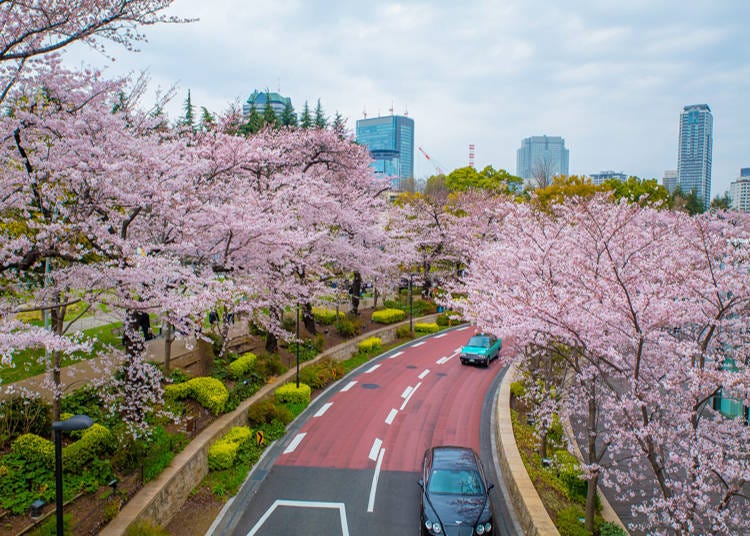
(265, 412)
(370, 344)
(289, 393)
(517, 389)
(242, 365)
(322, 373)
(34, 449)
(388, 316)
(326, 317)
(426, 327)
(611, 529)
(347, 327)
(209, 392)
(95, 441)
(403, 332)
(223, 453)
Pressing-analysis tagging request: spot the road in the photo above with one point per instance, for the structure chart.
(350, 463)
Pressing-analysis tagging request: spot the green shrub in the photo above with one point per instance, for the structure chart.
(568, 522)
(209, 392)
(34, 449)
(289, 393)
(159, 451)
(517, 389)
(307, 350)
(569, 473)
(266, 411)
(242, 365)
(326, 317)
(403, 332)
(370, 344)
(388, 316)
(346, 327)
(322, 373)
(223, 453)
(443, 319)
(611, 529)
(268, 365)
(426, 327)
(94, 442)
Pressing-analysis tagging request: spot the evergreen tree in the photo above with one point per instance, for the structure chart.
(189, 117)
(208, 121)
(254, 122)
(320, 118)
(269, 116)
(306, 120)
(338, 125)
(288, 116)
(723, 202)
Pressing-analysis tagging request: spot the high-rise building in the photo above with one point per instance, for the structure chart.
(694, 151)
(598, 178)
(390, 140)
(259, 98)
(542, 156)
(739, 191)
(669, 181)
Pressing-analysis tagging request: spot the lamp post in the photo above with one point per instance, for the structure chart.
(411, 315)
(298, 345)
(76, 422)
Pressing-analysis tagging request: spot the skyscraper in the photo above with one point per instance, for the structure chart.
(278, 102)
(695, 146)
(670, 180)
(739, 191)
(542, 156)
(390, 140)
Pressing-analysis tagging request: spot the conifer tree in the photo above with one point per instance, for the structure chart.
(189, 118)
(339, 125)
(320, 118)
(208, 121)
(269, 116)
(306, 119)
(254, 122)
(288, 116)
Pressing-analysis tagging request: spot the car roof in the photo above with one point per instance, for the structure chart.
(454, 457)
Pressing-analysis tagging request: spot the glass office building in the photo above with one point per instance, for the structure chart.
(542, 155)
(695, 146)
(390, 141)
(259, 99)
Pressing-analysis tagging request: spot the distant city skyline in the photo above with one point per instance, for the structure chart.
(542, 155)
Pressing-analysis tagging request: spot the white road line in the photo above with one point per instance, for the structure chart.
(464, 328)
(295, 443)
(425, 373)
(409, 397)
(323, 409)
(374, 487)
(375, 449)
(420, 343)
(391, 416)
(440, 336)
(372, 368)
(349, 386)
(303, 504)
(442, 360)
(407, 392)
(396, 355)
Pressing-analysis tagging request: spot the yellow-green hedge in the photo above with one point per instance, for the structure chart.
(426, 327)
(370, 344)
(209, 392)
(94, 441)
(223, 453)
(290, 393)
(388, 316)
(326, 316)
(242, 365)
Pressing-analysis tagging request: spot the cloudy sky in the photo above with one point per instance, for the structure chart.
(609, 76)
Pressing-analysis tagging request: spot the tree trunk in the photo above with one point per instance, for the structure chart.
(355, 292)
(543, 443)
(591, 457)
(308, 318)
(375, 298)
(272, 343)
(168, 340)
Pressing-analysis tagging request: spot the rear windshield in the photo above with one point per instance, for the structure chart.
(456, 482)
(480, 341)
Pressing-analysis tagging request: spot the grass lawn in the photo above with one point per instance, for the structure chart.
(31, 362)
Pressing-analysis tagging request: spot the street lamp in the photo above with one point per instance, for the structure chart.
(411, 315)
(76, 422)
(297, 345)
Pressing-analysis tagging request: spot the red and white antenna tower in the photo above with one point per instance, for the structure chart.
(471, 155)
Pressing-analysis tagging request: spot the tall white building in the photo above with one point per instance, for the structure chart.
(694, 150)
(739, 191)
(542, 155)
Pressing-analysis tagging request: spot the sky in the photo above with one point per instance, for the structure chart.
(609, 76)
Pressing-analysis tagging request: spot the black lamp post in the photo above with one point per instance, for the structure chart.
(298, 342)
(76, 422)
(411, 315)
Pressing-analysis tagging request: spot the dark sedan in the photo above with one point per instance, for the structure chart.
(455, 494)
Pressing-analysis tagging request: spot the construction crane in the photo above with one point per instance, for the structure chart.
(437, 167)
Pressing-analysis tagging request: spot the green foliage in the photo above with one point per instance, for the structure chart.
(242, 391)
(145, 528)
(160, 451)
(568, 522)
(22, 415)
(644, 192)
(242, 365)
(322, 373)
(307, 350)
(209, 392)
(517, 389)
(611, 529)
(403, 332)
(496, 181)
(178, 376)
(426, 327)
(326, 317)
(84, 401)
(347, 327)
(49, 526)
(94, 442)
(268, 365)
(34, 449)
(223, 453)
(569, 472)
(370, 345)
(388, 316)
(266, 411)
(290, 393)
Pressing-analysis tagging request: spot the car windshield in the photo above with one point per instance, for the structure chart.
(456, 482)
(479, 341)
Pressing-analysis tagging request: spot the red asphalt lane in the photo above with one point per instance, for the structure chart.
(443, 409)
